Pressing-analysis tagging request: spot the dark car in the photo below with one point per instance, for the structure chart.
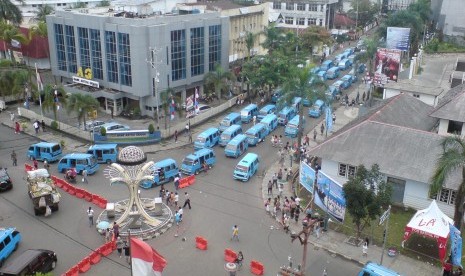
(30, 262)
(5, 180)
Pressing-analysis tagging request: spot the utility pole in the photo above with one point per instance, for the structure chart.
(382, 219)
(356, 22)
(155, 63)
(303, 238)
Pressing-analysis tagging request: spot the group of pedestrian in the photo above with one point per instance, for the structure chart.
(37, 126)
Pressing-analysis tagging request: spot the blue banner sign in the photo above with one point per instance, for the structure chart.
(455, 245)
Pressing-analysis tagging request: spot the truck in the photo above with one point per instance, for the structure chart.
(43, 192)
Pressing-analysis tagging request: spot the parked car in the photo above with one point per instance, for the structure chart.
(31, 262)
(275, 97)
(201, 108)
(5, 180)
(9, 241)
(114, 126)
(93, 124)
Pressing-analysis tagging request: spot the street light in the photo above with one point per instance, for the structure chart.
(155, 62)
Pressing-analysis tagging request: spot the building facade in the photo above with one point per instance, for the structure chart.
(301, 14)
(128, 61)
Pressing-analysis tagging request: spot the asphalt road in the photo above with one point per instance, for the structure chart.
(218, 203)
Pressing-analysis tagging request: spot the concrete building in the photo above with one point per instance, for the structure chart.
(451, 112)
(395, 5)
(300, 14)
(127, 59)
(449, 19)
(428, 95)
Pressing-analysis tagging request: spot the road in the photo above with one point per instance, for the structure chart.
(218, 203)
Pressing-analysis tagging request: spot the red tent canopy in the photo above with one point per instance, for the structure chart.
(433, 223)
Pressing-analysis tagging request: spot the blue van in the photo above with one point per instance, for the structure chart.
(338, 58)
(373, 269)
(9, 241)
(306, 102)
(164, 171)
(352, 58)
(256, 134)
(341, 84)
(233, 118)
(192, 163)
(229, 134)
(105, 153)
(344, 64)
(237, 146)
(326, 65)
(349, 78)
(247, 167)
(248, 112)
(361, 68)
(296, 102)
(276, 95)
(315, 70)
(207, 139)
(333, 91)
(286, 114)
(270, 122)
(292, 128)
(322, 75)
(333, 73)
(267, 109)
(45, 151)
(80, 162)
(317, 109)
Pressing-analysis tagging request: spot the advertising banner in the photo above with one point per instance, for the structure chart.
(398, 38)
(455, 245)
(387, 65)
(329, 196)
(306, 176)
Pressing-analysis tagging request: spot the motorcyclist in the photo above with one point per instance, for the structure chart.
(71, 174)
(239, 259)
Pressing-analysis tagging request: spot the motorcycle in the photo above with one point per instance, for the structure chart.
(71, 176)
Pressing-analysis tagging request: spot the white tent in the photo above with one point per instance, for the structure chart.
(433, 223)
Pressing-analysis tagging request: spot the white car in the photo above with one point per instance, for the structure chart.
(90, 125)
(201, 108)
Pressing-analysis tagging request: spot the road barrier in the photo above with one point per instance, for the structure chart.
(186, 181)
(74, 271)
(229, 255)
(84, 265)
(201, 243)
(95, 257)
(257, 268)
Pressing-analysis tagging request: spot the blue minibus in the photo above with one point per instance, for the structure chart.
(248, 112)
(292, 128)
(45, 151)
(207, 139)
(237, 146)
(317, 109)
(256, 134)
(233, 118)
(247, 167)
(229, 134)
(286, 114)
(344, 64)
(349, 78)
(9, 241)
(80, 162)
(296, 102)
(373, 269)
(326, 65)
(333, 73)
(105, 153)
(267, 109)
(192, 163)
(276, 95)
(164, 171)
(322, 75)
(270, 122)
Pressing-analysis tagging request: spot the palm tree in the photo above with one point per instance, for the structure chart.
(273, 38)
(369, 55)
(10, 12)
(452, 159)
(219, 79)
(166, 97)
(43, 11)
(249, 42)
(9, 33)
(81, 104)
(50, 100)
(315, 36)
(7, 79)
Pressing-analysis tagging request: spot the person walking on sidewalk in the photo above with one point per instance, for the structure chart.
(84, 177)
(36, 126)
(17, 128)
(187, 200)
(43, 126)
(365, 249)
(270, 187)
(13, 158)
(176, 200)
(314, 134)
(35, 163)
(119, 246)
(275, 180)
(90, 215)
(322, 128)
(235, 233)
(190, 138)
(176, 136)
(334, 118)
(176, 182)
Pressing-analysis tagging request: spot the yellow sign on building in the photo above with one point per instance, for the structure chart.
(87, 73)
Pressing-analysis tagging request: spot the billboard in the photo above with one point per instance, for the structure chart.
(398, 38)
(306, 176)
(387, 64)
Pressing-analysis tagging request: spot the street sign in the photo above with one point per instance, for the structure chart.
(385, 215)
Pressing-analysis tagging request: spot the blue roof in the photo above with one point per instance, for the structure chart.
(334, 69)
(232, 128)
(237, 139)
(45, 144)
(77, 155)
(5, 231)
(255, 128)
(104, 146)
(269, 117)
(249, 107)
(267, 107)
(232, 115)
(208, 131)
(164, 162)
(200, 152)
(247, 157)
(327, 62)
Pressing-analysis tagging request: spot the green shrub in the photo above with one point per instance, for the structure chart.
(103, 131)
(151, 129)
(137, 111)
(54, 125)
(63, 144)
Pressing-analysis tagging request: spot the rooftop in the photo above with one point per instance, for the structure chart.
(405, 85)
(452, 106)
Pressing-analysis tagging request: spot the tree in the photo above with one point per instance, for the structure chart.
(315, 36)
(366, 194)
(219, 79)
(9, 33)
(9, 12)
(449, 162)
(81, 104)
(367, 10)
(273, 38)
(371, 45)
(249, 43)
(40, 30)
(166, 98)
(51, 101)
(43, 11)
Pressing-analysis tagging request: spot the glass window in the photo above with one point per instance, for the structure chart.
(346, 170)
(178, 55)
(301, 6)
(197, 51)
(96, 53)
(313, 7)
(312, 21)
(321, 22)
(301, 21)
(111, 56)
(71, 49)
(290, 6)
(447, 196)
(124, 53)
(7, 240)
(342, 170)
(289, 20)
(276, 5)
(60, 47)
(214, 46)
(322, 8)
(83, 36)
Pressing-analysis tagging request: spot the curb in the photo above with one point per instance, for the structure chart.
(357, 262)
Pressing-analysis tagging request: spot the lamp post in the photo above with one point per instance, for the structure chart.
(155, 62)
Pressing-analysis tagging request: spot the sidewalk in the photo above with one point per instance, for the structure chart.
(332, 241)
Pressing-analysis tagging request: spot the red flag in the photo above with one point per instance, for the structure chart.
(146, 261)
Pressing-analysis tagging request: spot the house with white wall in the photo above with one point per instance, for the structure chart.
(428, 95)
(451, 112)
(399, 135)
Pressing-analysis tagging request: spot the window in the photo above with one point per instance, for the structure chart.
(214, 46)
(70, 49)
(454, 127)
(289, 20)
(416, 96)
(96, 53)
(312, 21)
(124, 53)
(60, 47)
(447, 196)
(290, 6)
(276, 5)
(346, 170)
(7, 240)
(322, 8)
(178, 55)
(301, 21)
(111, 56)
(301, 6)
(197, 51)
(312, 7)
(83, 36)
(321, 22)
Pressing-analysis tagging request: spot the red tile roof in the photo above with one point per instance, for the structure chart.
(343, 20)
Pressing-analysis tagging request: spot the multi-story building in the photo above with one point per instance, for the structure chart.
(129, 58)
(300, 14)
(448, 16)
(395, 5)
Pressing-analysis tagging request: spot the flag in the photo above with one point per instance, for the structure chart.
(40, 85)
(329, 119)
(145, 260)
(455, 245)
